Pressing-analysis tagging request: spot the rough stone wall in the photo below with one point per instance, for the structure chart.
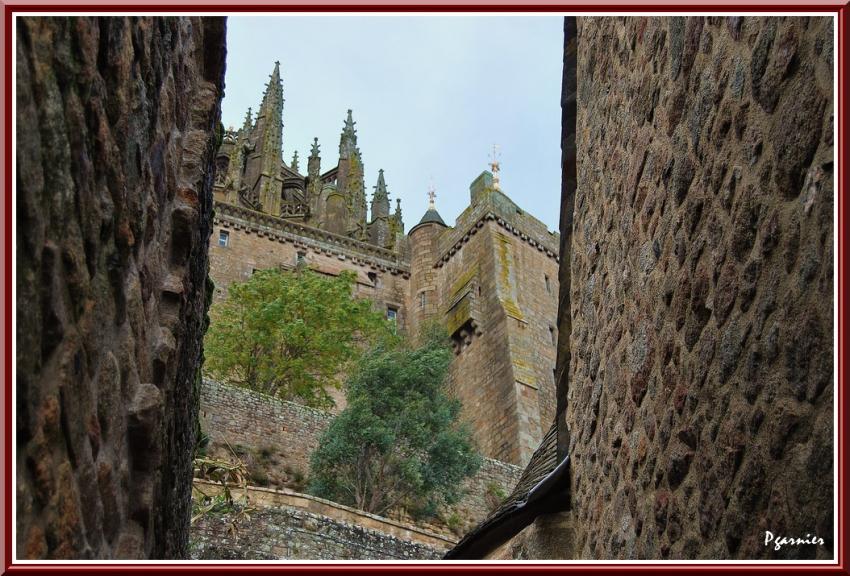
(243, 418)
(293, 534)
(246, 419)
(700, 401)
(504, 375)
(115, 139)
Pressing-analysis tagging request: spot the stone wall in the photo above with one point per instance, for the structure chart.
(250, 422)
(115, 137)
(700, 401)
(289, 533)
(246, 419)
(287, 525)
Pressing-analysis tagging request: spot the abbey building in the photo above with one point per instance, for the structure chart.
(492, 278)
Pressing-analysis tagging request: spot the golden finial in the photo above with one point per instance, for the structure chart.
(494, 165)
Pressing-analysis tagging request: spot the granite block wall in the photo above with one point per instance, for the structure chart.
(700, 400)
(116, 122)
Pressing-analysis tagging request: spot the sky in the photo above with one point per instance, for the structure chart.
(430, 96)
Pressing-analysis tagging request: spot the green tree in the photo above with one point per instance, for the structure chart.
(399, 442)
(290, 334)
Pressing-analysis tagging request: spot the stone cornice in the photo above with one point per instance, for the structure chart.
(455, 238)
(320, 240)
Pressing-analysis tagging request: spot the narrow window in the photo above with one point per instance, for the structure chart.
(392, 313)
(223, 238)
(422, 299)
(548, 285)
(300, 258)
(373, 278)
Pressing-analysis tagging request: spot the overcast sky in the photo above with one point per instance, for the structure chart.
(430, 96)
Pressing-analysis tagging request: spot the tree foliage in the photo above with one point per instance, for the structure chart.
(290, 334)
(399, 442)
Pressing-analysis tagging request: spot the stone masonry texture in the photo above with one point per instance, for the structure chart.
(116, 122)
(250, 422)
(292, 534)
(701, 395)
(700, 402)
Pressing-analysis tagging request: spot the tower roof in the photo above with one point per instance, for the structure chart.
(432, 216)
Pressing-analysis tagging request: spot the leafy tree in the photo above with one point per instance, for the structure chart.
(399, 441)
(290, 334)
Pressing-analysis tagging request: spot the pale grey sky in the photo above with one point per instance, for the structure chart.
(430, 96)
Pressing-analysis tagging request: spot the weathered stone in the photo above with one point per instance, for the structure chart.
(797, 136)
(100, 137)
(740, 290)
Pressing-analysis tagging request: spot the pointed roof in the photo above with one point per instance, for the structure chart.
(431, 216)
(249, 120)
(380, 198)
(348, 138)
(273, 95)
(381, 186)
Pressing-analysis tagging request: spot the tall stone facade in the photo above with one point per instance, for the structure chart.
(492, 279)
(116, 122)
(700, 393)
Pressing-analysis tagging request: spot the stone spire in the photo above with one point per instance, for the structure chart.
(294, 164)
(397, 213)
(238, 154)
(396, 223)
(380, 199)
(269, 131)
(348, 138)
(314, 183)
(248, 123)
(270, 119)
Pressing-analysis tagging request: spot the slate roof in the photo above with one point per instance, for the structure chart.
(432, 216)
(542, 487)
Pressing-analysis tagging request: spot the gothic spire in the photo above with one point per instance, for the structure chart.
(380, 198)
(314, 150)
(348, 138)
(397, 216)
(294, 164)
(249, 121)
(269, 140)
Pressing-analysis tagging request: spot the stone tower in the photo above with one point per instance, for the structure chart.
(423, 250)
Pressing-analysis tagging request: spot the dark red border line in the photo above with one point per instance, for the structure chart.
(7, 287)
(843, 14)
(508, 8)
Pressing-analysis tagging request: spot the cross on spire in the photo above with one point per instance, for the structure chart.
(432, 195)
